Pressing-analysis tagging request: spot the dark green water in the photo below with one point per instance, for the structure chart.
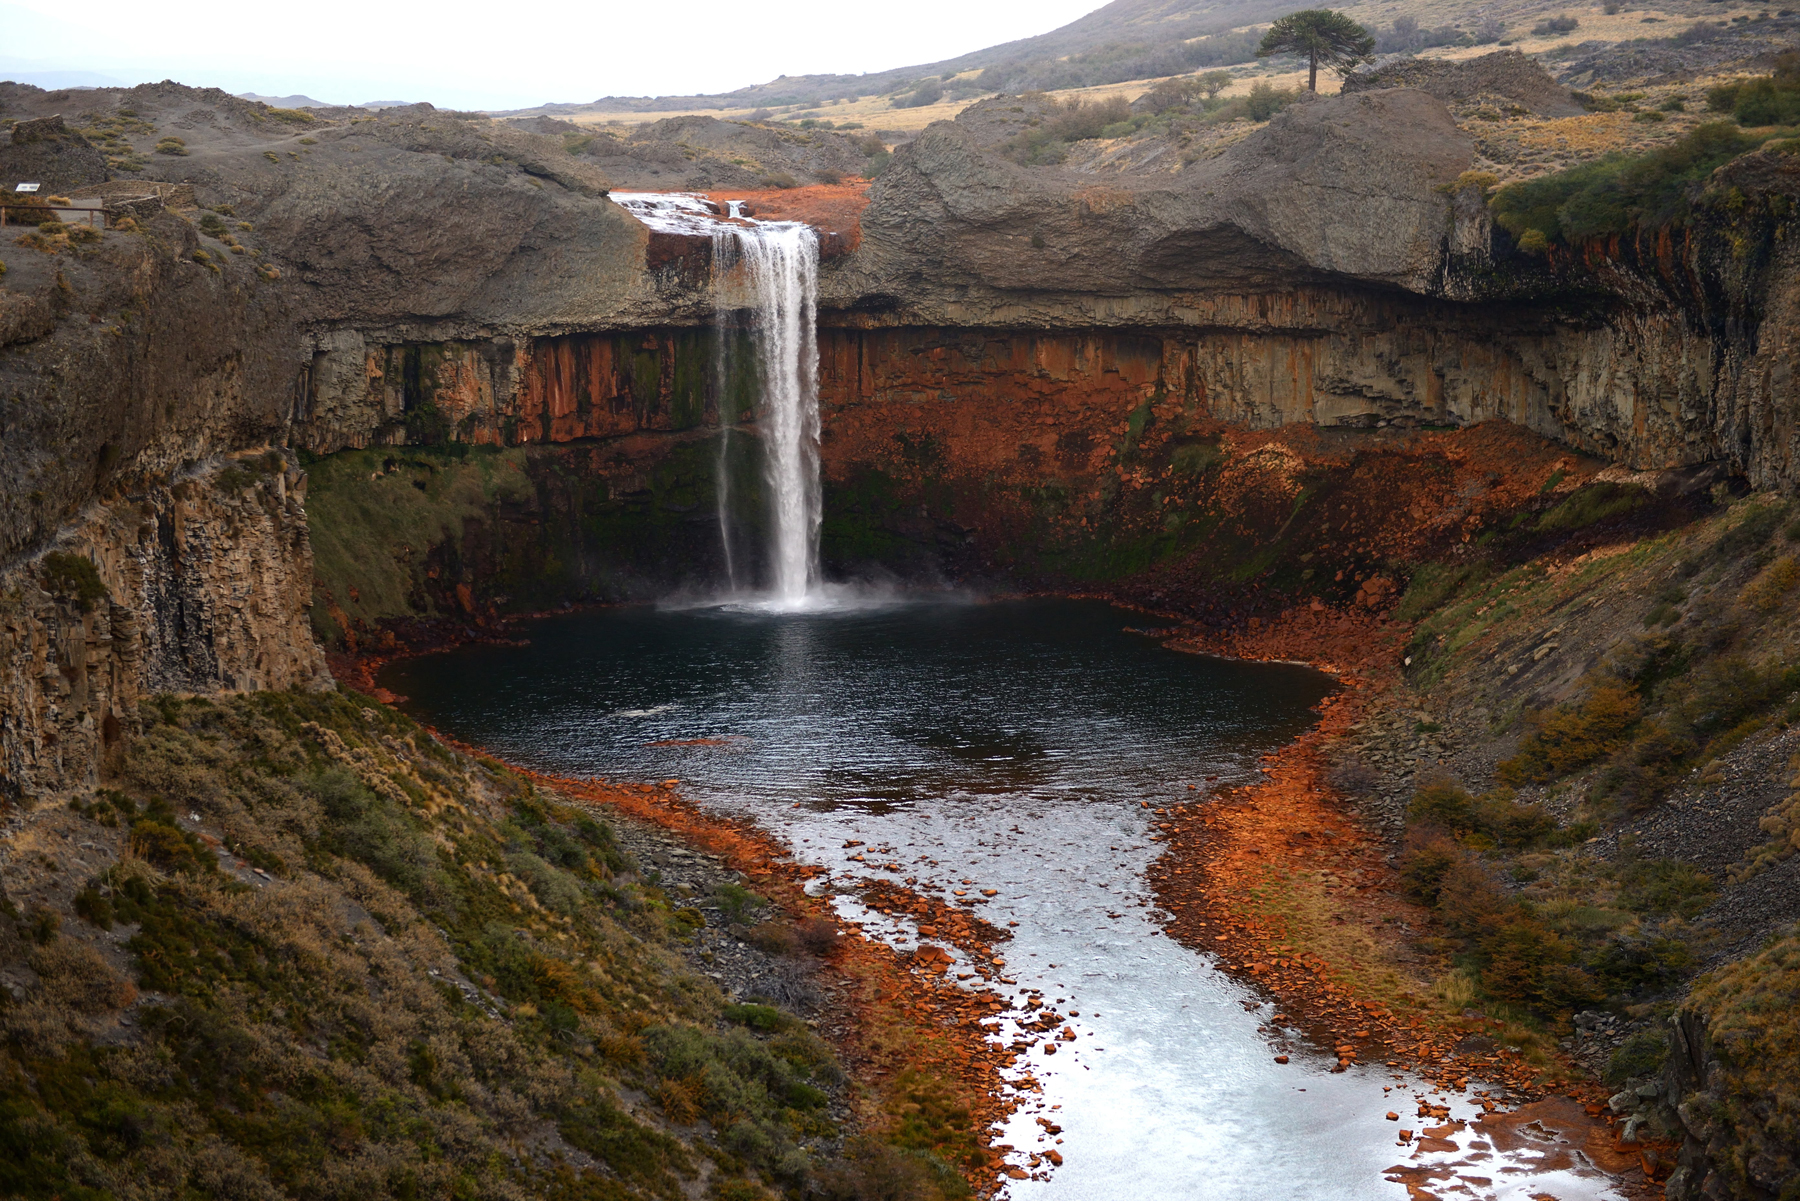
(872, 707)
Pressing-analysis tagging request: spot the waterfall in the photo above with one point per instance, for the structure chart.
(724, 244)
(780, 261)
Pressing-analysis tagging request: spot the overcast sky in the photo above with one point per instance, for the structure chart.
(463, 54)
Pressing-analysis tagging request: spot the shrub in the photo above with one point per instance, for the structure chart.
(737, 902)
(1424, 862)
(1631, 965)
(74, 577)
(774, 938)
(1494, 818)
(1573, 736)
(1555, 25)
(171, 145)
(1619, 194)
(928, 92)
(1265, 100)
(371, 829)
(1519, 955)
(1470, 899)
(1765, 592)
(1665, 886)
(1641, 1054)
(875, 1171)
(1075, 120)
(758, 1017)
(817, 935)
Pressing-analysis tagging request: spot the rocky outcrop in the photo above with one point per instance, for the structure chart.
(198, 583)
(1510, 78)
(956, 234)
(126, 359)
(1728, 1088)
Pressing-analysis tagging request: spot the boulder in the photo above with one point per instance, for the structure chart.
(1348, 188)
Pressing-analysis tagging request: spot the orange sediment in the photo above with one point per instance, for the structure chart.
(1269, 876)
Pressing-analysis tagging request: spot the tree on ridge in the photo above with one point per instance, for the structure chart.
(1323, 36)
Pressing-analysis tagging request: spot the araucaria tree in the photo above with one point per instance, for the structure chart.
(1324, 37)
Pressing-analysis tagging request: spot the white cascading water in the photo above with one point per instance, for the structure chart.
(781, 263)
(782, 260)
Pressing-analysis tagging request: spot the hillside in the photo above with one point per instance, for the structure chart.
(1133, 41)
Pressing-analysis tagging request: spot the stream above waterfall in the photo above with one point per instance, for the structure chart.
(1006, 745)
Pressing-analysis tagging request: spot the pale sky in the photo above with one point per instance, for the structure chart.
(462, 54)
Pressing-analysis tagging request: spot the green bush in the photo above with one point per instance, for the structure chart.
(928, 92)
(1074, 120)
(1631, 965)
(371, 829)
(758, 1017)
(1494, 818)
(1641, 1054)
(1265, 100)
(1591, 505)
(1665, 886)
(1765, 100)
(737, 902)
(74, 577)
(1619, 194)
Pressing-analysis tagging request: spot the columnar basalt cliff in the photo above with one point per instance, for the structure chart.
(197, 583)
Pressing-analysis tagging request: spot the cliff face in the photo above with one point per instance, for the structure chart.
(197, 583)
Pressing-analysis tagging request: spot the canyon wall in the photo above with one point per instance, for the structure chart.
(1007, 354)
(198, 583)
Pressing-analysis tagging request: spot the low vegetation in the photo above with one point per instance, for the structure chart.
(1535, 926)
(1772, 99)
(1620, 194)
(1753, 1099)
(332, 958)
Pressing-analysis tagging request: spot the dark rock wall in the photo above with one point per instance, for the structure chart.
(204, 581)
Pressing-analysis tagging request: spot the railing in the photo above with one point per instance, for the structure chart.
(7, 214)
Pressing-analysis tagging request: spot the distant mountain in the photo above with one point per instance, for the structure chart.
(309, 102)
(286, 101)
(52, 81)
(1127, 39)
